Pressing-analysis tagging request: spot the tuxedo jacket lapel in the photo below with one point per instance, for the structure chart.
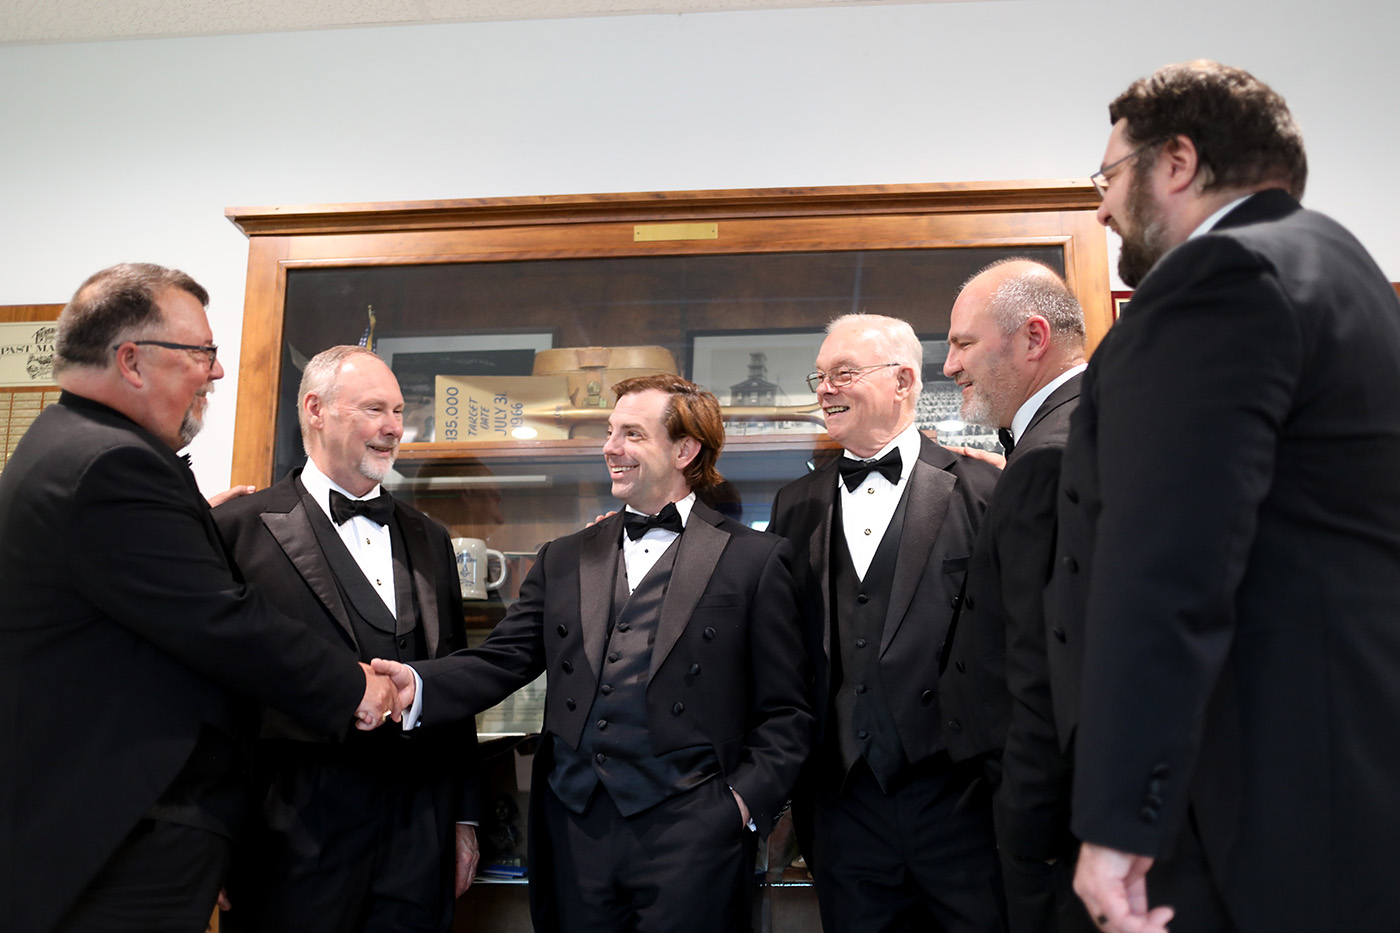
(420, 559)
(930, 490)
(599, 553)
(293, 532)
(700, 547)
(819, 543)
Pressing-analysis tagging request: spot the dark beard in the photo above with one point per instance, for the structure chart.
(1146, 243)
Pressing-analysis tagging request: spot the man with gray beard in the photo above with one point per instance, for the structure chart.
(372, 833)
(127, 635)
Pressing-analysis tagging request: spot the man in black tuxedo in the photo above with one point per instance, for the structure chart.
(1016, 347)
(897, 835)
(1228, 572)
(127, 632)
(365, 834)
(675, 717)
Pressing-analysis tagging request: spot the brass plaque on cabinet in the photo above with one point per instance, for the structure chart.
(644, 233)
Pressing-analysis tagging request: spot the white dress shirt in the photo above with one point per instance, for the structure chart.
(641, 555)
(367, 540)
(866, 510)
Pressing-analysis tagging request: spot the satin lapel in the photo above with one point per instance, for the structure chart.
(700, 547)
(599, 552)
(930, 490)
(293, 532)
(415, 538)
(819, 544)
(1065, 393)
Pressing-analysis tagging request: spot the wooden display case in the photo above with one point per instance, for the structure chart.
(736, 285)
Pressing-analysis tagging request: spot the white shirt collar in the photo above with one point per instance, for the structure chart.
(1209, 223)
(1027, 411)
(319, 485)
(909, 443)
(683, 506)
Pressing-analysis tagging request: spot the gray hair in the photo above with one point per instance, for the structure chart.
(1036, 291)
(894, 339)
(319, 378)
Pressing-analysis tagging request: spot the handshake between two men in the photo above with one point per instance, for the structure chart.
(390, 690)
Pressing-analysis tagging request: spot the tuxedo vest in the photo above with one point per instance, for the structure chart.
(615, 751)
(865, 726)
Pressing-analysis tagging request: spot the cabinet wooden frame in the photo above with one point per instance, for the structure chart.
(1000, 215)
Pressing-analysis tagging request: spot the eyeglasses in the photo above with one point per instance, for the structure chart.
(840, 378)
(1100, 178)
(212, 351)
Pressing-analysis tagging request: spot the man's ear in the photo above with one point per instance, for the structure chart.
(904, 381)
(129, 365)
(688, 450)
(1037, 337)
(314, 410)
(1182, 163)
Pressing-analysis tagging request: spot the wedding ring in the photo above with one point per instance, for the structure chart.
(387, 714)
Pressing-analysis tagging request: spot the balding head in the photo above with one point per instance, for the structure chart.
(1014, 327)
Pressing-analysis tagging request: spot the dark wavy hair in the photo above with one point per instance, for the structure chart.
(1242, 129)
(112, 305)
(693, 411)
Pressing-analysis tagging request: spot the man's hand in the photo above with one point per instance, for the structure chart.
(468, 854)
(380, 703)
(744, 817)
(1113, 886)
(977, 453)
(404, 681)
(219, 498)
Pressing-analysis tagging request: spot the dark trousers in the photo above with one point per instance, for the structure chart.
(922, 858)
(163, 878)
(1040, 896)
(684, 866)
(338, 849)
(1182, 880)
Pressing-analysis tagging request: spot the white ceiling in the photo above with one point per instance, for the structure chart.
(92, 20)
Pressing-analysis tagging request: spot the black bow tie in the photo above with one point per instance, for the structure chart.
(854, 472)
(378, 509)
(1008, 440)
(667, 519)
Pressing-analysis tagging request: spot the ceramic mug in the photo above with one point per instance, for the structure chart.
(472, 570)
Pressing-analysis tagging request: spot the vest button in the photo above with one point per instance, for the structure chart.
(570, 704)
(1059, 634)
(600, 758)
(862, 599)
(613, 657)
(678, 708)
(563, 631)
(861, 688)
(567, 667)
(860, 642)
(1072, 494)
(926, 697)
(954, 725)
(623, 626)
(709, 633)
(969, 601)
(962, 668)
(1070, 563)
(602, 724)
(403, 642)
(862, 735)
(605, 689)
(694, 669)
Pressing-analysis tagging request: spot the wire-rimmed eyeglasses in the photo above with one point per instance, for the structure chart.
(840, 378)
(1100, 178)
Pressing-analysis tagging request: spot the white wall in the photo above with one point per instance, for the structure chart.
(132, 150)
